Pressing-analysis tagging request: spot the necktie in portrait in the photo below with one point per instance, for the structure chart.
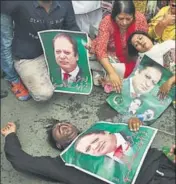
(118, 152)
(66, 76)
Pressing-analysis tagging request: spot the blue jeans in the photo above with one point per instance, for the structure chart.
(7, 64)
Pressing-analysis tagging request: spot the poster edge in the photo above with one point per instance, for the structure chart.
(144, 156)
(46, 61)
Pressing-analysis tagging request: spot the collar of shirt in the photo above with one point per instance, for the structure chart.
(72, 74)
(54, 5)
(132, 91)
(120, 142)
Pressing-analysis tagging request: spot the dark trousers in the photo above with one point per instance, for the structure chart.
(55, 169)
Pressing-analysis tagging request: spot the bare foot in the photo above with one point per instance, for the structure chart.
(9, 128)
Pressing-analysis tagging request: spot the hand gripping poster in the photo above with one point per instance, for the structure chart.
(67, 60)
(110, 152)
(139, 95)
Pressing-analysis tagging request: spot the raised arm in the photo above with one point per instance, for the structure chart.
(44, 167)
(159, 23)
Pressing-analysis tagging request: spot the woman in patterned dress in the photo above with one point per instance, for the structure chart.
(110, 45)
(140, 43)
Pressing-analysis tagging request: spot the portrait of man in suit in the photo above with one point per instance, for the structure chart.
(102, 143)
(145, 79)
(67, 56)
(135, 104)
(148, 115)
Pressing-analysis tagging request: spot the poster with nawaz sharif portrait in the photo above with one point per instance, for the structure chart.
(67, 60)
(139, 92)
(110, 152)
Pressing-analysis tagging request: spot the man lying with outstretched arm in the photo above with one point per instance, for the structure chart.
(62, 134)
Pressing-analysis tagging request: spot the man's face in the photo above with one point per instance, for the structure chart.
(96, 144)
(145, 80)
(149, 114)
(135, 104)
(173, 6)
(64, 54)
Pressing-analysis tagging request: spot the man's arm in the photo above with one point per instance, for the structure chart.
(163, 24)
(157, 26)
(69, 20)
(44, 166)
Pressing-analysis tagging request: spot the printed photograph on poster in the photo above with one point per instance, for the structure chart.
(110, 152)
(139, 95)
(67, 60)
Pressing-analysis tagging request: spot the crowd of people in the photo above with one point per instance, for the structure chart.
(26, 70)
(121, 34)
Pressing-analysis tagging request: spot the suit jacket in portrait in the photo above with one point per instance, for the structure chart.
(123, 149)
(57, 77)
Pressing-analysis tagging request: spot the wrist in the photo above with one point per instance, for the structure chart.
(9, 134)
(111, 73)
(172, 80)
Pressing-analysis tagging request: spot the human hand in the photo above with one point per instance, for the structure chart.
(172, 152)
(116, 81)
(106, 85)
(88, 45)
(9, 128)
(164, 89)
(134, 124)
(169, 19)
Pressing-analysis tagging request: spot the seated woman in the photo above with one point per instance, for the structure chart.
(163, 169)
(140, 43)
(162, 26)
(110, 44)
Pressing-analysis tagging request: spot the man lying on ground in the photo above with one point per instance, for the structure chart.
(62, 134)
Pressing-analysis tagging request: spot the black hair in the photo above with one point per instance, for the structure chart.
(70, 39)
(123, 7)
(151, 64)
(62, 143)
(49, 129)
(132, 51)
